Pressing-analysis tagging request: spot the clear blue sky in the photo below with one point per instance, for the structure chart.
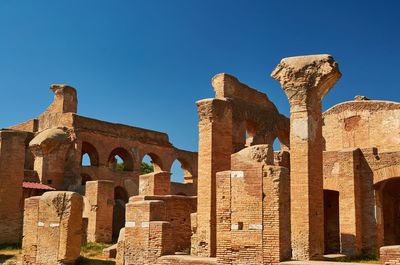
(145, 63)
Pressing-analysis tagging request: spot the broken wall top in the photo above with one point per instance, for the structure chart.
(228, 86)
(62, 113)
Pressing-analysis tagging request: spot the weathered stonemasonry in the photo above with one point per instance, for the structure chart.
(156, 183)
(365, 215)
(155, 226)
(60, 150)
(224, 121)
(332, 188)
(305, 80)
(253, 206)
(52, 229)
(100, 196)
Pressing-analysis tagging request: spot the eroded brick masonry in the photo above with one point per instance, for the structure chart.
(332, 187)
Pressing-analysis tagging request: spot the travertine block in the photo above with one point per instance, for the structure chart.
(52, 229)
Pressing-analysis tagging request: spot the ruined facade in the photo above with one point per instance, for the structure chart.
(332, 188)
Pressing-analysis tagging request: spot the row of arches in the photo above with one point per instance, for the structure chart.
(121, 160)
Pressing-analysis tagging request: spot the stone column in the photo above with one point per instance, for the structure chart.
(215, 149)
(305, 80)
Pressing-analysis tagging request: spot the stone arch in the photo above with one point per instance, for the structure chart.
(91, 151)
(386, 173)
(186, 168)
(155, 161)
(251, 129)
(127, 159)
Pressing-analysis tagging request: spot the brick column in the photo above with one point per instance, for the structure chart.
(100, 194)
(305, 80)
(350, 203)
(12, 159)
(215, 149)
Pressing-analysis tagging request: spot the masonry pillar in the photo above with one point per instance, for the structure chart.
(215, 149)
(350, 202)
(305, 80)
(100, 195)
(12, 159)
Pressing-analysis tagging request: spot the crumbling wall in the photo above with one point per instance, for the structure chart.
(253, 206)
(223, 123)
(52, 229)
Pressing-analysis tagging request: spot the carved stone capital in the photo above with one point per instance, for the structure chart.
(307, 79)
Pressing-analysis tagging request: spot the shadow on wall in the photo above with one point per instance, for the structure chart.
(120, 199)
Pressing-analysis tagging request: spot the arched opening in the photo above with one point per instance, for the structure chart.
(390, 194)
(277, 145)
(120, 198)
(180, 172)
(150, 163)
(331, 222)
(86, 160)
(250, 132)
(120, 159)
(89, 155)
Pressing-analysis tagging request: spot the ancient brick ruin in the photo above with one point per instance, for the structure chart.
(332, 188)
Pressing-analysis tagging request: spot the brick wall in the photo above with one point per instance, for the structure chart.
(253, 222)
(12, 158)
